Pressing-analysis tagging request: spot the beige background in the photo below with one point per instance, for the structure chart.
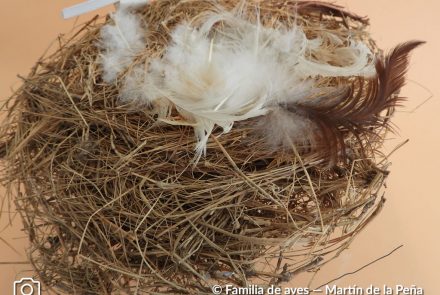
(411, 214)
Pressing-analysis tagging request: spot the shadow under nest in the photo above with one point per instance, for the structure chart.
(112, 202)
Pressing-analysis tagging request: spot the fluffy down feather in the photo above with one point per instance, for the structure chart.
(217, 75)
(121, 42)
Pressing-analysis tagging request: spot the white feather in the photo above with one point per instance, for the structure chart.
(217, 75)
(356, 60)
(142, 88)
(121, 42)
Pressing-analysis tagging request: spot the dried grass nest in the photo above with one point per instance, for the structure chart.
(113, 203)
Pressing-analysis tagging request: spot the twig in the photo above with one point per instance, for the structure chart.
(361, 268)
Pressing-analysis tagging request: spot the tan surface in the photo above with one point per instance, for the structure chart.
(410, 216)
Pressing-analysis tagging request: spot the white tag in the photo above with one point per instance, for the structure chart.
(91, 5)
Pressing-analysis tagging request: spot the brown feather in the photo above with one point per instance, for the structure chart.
(357, 109)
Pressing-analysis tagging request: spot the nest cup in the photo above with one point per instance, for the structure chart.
(112, 199)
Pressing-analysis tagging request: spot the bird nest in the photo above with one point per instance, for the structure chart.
(114, 199)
